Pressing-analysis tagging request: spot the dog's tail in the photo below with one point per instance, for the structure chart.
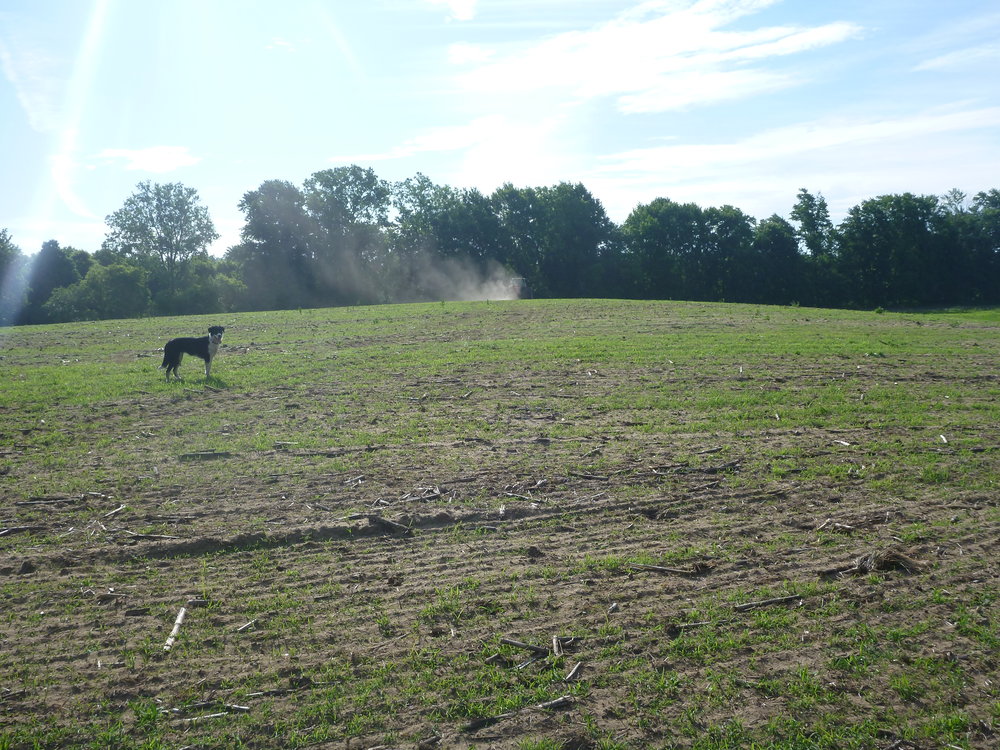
(164, 363)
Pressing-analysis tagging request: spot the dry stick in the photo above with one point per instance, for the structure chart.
(173, 633)
(574, 672)
(385, 523)
(135, 535)
(581, 475)
(204, 455)
(561, 702)
(660, 569)
(767, 602)
(116, 510)
(676, 629)
(241, 628)
(49, 501)
(16, 529)
(520, 497)
(526, 664)
(195, 719)
(540, 650)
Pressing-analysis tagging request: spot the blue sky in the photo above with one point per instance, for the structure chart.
(737, 102)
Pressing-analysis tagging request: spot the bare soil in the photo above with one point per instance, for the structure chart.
(302, 568)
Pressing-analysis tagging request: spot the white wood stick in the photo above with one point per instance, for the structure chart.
(173, 633)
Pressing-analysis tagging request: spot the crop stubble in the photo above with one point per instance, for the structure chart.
(728, 540)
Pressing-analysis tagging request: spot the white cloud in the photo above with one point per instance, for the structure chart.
(523, 152)
(461, 10)
(63, 169)
(853, 159)
(36, 81)
(663, 55)
(31, 232)
(280, 45)
(963, 59)
(799, 139)
(434, 140)
(464, 53)
(657, 57)
(490, 151)
(156, 159)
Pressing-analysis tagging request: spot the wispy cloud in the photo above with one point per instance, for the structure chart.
(278, 44)
(488, 151)
(37, 79)
(853, 158)
(963, 59)
(464, 53)
(435, 140)
(460, 10)
(156, 159)
(796, 140)
(658, 57)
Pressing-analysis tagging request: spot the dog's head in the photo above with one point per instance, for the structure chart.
(215, 333)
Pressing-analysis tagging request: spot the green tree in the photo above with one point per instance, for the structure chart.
(894, 250)
(81, 259)
(815, 230)
(520, 214)
(775, 273)
(662, 238)
(727, 236)
(442, 238)
(13, 280)
(115, 291)
(575, 233)
(955, 202)
(160, 228)
(979, 231)
(417, 202)
(53, 267)
(275, 258)
(350, 207)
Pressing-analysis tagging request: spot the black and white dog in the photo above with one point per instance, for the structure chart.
(205, 347)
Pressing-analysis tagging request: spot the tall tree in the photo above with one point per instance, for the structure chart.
(726, 242)
(443, 239)
(894, 250)
(575, 232)
(350, 205)
(13, 273)
(775, 274)
(521, 217)
(161, 227)
(955, 202)
(276, 255)
(981, 236)
(662, 239)
(815, 230)
(116, 291)
(53, 267)
(419, 204)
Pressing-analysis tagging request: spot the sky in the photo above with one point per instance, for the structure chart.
(716, 102)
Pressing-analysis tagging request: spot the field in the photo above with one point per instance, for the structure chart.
(532, 524)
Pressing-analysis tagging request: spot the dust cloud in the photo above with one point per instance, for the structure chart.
(464, 280)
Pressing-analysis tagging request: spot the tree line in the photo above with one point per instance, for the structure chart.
(347, 237)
